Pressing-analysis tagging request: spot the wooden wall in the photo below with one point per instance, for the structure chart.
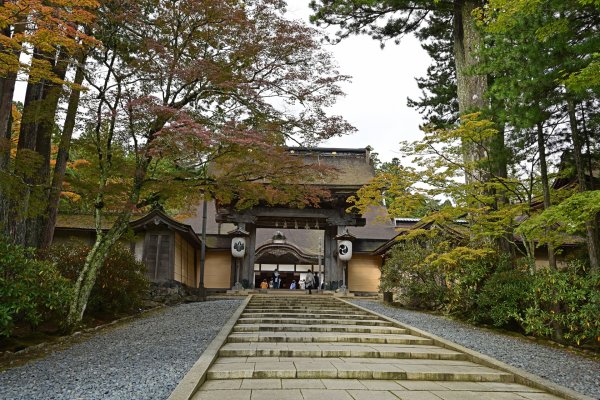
(217, 270)
(364, 273)
(184, 271)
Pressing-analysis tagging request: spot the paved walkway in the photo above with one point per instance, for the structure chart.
(321, 348)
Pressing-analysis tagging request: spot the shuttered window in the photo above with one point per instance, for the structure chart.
(157, 256)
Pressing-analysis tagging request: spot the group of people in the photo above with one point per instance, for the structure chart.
(310, 282)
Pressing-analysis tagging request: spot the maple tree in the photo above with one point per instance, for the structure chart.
(194, 99)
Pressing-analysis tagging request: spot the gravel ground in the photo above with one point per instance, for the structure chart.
(557, 365)
(144, 359)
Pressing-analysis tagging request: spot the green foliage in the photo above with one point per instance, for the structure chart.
(433, 271)
(486, 288)
(504, 297)
(417, 282)
(465, 282)
(568, 299)
(31, 291)
(121, 283)
(567, 218)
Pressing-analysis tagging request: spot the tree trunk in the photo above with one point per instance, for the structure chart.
(62, 157)
(467, 42)
(34, 153)
(592, 243)
(470, 87)
(545, 185)
(7, 85)
(93, 263)
(104, 242)
(26, 163)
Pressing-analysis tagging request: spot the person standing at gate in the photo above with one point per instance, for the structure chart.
(277, 280)
(310, 281)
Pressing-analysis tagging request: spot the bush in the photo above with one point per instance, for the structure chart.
(504, 297)
(121, 284)
(566, 302)
(417, 283)
(31, 291)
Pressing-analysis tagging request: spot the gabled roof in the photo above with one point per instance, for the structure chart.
(85, 222)
(157, 217)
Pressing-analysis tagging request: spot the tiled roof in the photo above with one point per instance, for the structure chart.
(86, 221)
(354, 168)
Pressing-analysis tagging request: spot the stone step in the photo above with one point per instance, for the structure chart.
(299, 301)
(326, 337)
(316, 328)
(350, 368)
(255, 349)
(303, 311)
(364, 389)
(334, 307)
(311, 315)
(294, 299)
(312, 321)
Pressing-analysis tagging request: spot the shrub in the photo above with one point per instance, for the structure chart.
(31, 291)
(417, 282)
(504, 297)
(567, 301)
(121, 284)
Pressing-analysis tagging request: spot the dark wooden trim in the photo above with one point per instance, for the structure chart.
(157, 255)
(171, 261)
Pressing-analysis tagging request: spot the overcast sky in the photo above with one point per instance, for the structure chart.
(375, 101)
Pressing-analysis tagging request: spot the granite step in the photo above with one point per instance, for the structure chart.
(318, 347)
(318, 315)
(257, 349)
(364, 389)
(352, 368)
(312, 321)
(336, 311)
(298, 308)
(316, 328)
(329, 337)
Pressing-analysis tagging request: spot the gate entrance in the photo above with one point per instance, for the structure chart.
(327, 220)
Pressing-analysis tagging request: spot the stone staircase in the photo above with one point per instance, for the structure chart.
(318, 347)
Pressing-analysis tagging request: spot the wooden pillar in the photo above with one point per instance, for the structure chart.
(333, 267)
(248, 267)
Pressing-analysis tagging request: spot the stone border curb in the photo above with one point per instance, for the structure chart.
(521, 376)
(196, 376)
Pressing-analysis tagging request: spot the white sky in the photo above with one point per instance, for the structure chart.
(375, 101)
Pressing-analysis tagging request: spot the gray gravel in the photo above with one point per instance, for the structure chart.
(557, 365)
(144, 359)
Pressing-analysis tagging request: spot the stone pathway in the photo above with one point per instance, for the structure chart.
(318, 347)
